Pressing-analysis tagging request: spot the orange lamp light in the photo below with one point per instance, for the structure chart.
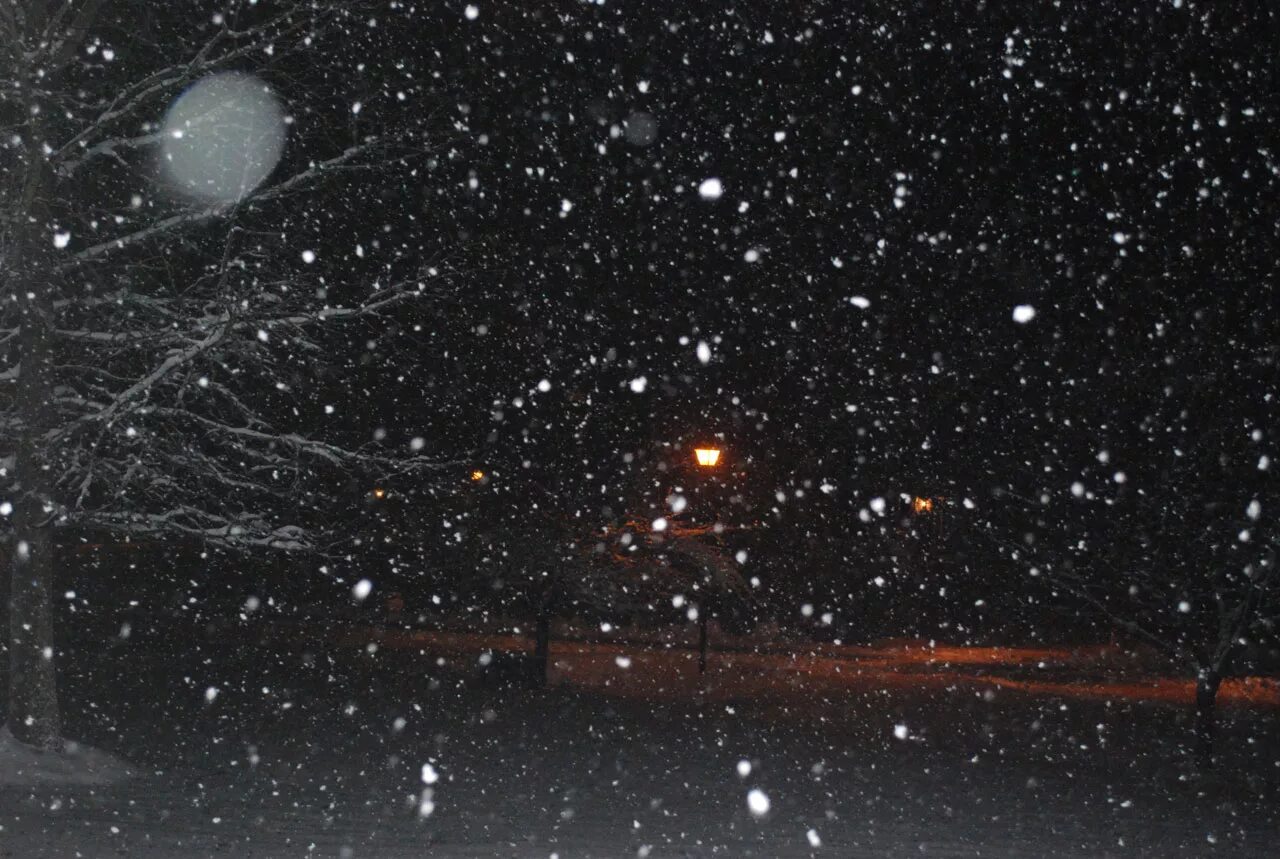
(707, 456)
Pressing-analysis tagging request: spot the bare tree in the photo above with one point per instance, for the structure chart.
(1166, 536)
(158, 352)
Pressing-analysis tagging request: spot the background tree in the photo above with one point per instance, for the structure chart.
(172, 348)
(1165, 532)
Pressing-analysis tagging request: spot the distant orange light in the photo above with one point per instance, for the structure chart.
(923, 505)
(477, 475)
(707, 456)
(379, 493)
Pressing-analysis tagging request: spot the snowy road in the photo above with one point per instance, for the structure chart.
(307, 753)
(827, 673)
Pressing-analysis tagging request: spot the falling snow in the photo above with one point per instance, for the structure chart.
(492, 429)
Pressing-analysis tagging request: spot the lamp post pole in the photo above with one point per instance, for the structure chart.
(706, 459)
(542, 637)
(702, 637)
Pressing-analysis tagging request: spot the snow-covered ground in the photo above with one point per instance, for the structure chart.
(329, 753)
(662, 663)
(72, 765)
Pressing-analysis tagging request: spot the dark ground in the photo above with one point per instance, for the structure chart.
(300, 754)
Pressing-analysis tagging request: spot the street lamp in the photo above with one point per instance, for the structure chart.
(477, 475)
(707, 456)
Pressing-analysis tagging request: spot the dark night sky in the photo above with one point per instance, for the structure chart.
(1110, 168)
(897, 179)
(1016, 255)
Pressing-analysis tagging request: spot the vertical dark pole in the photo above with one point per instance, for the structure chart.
(1207, 683)
(542, 644)
(702, 639)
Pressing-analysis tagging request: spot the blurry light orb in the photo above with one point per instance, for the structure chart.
(758, 803)
(640, 128)
(222, 137)
(1023, 313)
(710, 189)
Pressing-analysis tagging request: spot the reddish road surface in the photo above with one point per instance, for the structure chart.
(828, 673)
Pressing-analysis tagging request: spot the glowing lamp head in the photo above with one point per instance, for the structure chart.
(707, 456)
(477, 475)
(379, 493)
(922, 505)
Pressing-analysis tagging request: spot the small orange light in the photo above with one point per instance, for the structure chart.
(707, 456)
(923, 505)
(477, 476)
(379, 493)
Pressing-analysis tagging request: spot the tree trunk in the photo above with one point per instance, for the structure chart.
(542, 646)
(33, 714)
(702, 640)
(6, 610)
(33, 691)
(1207, 682)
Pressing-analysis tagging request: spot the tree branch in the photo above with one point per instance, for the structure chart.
(217, 210)
(62, 46)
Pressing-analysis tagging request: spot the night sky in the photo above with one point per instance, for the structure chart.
(1109, 168)
(1017, 257)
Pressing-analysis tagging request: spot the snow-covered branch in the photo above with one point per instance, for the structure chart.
(221, 50)
(331, 453)
(193, 217)
(109, 148)
(241, 533)
(144, 384)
